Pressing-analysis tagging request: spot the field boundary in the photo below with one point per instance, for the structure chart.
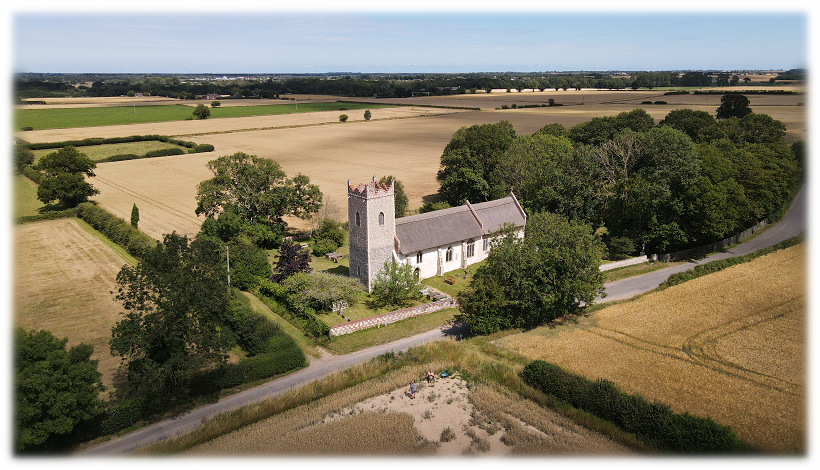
(391, 317)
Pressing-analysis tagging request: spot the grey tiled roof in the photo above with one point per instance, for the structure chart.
(449, 226)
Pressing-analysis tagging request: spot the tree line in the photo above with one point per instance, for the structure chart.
(357, 85)
(689, 180)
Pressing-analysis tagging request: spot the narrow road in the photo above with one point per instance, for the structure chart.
(791, 225)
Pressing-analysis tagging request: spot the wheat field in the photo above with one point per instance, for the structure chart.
(730, 345)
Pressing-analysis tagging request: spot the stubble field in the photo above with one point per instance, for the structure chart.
(65, 282)
(730, 345)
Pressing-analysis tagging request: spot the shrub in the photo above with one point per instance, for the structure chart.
(278, 299)
(343, 118)
(660, 102)
(164, 152)
(447, 435)
(122, 415)
(323, 246)
(367, 115)
(331, 230)
(646, 102)
(27, 128)
(215, 104)
(620, 248)
(319, 290)
(202, 148)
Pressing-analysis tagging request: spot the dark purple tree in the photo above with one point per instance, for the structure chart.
(293, 258)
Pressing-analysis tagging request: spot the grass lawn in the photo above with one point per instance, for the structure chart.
(25, 197)
(99, 152)
(401, 329)
(59, 118)
(437, 282)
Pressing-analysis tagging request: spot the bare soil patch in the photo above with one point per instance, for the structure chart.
(64, 279)
(483, 420)
(730, 345)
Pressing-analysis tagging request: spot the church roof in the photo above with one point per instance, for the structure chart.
(455, 224)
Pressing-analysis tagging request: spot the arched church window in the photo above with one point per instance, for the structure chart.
(358, 220)
(470, 248)
(381, 219)
(449, 255)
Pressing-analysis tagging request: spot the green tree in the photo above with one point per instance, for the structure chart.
(64, 173)
(469, 160)
(395, 285)
(257, 190)
(23, 156)
(55, 389)
(400, 197)
(216, 104)
(135, 216)
(430, 206)
(174, 300)
(343, 118)
(700, 126)
(319, 290)
(201, 111)
(528, 282)
(249, 264)
(733, 105)
(367, 115)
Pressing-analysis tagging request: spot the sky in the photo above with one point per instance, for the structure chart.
(371, 38)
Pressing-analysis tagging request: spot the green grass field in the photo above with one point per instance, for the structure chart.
(25, 197)
(99, 152)
(59, 118)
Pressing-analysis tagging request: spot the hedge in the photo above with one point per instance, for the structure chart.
(117, 230)
(50, 215)
(652, 422)
(32, 174)
(721, 264)
(114, 140)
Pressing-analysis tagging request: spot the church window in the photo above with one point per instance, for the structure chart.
(358, 220)
(418, 257)
(381, 219)
(449, 255)
(486, 244)
(470, 249)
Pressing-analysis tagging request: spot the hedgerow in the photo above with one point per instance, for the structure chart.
(50, 215)
(718, 265)
(292, 309)
(117, 230)
(652, 422)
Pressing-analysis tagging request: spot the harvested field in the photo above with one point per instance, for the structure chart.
(392, 423)
(64, 277)
(730, 345)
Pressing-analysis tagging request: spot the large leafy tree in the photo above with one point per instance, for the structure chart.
(395, 285)
(733, 105)
(469, 161)
(700, 126)
(293, 258)
(400, 198)
(64, 173)
(55, 389)
(527, 282)
(174, 301)
(257, 190)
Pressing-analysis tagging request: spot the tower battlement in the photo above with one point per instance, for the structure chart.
(371, 189)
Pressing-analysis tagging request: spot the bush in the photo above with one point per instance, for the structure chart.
(215, 104)
(660, 102)
(27, 128)
(202, 148)
(323, 246)
(343, 118)
(50, 215)
(620, 248)
(278, 299)
(654, 423)
(32, 174)
(319, 290)
(122, 415)
(164, 152)
(331, 230)
(646, 102)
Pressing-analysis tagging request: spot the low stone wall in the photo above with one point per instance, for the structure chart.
(623, 262)
(391, 317)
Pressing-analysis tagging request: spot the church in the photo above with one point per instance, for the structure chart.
(434, 243)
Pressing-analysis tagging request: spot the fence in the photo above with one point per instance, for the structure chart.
(711, 248)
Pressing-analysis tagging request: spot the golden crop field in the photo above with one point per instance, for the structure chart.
(730, 345)
(64, 282)
(482, 419)
(404, 141)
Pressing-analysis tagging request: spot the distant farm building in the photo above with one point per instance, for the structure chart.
(433, 243)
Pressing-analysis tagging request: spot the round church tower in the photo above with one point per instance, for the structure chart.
(371, 216)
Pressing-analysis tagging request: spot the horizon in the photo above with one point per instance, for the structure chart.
(400, 43)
